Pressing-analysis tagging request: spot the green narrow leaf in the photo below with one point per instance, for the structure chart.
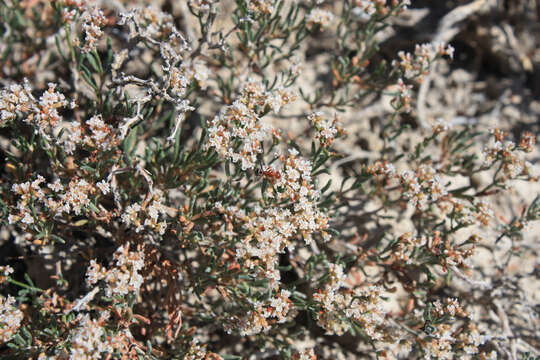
(129, 142)
(59, 48)
(87, 76)
(90, 58)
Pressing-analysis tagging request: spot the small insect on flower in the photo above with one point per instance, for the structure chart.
(270, 173)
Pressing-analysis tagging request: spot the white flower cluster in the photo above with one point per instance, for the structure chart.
(27, 192)
(15, 100)
(331, 317)
(74, 200)
(471, 339)
(510, 154)
(68, 15)
(256, 97)
(5, 271)
(294, 183)
(180, 77)
(327, 130)
(383, 168)
(47, 108)
(101, 136)
(151, 24)
(257, 320)
(479, 212)
(365, 9)
(319, 18)
(484, 211)
(404, 96)
(446, 340)
(197, 351)
(202, 6)
(237, 123)
(10, 318)
(151, 213)
(89, 340)
(72, 137)
(307, 354)
(123, 278)
(441, 126)
(272, 229)
(463, 212)
(528, 140)
(95, 134)
(451, 307)
(439, 346)
(406, 246)
(92, 21)
(238, 132)
(415, 65)
(261, 6)
(422, 186)
(340, 306)
(443, 343)
(492, 151)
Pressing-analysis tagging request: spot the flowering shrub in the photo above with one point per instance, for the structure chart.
(186, 189)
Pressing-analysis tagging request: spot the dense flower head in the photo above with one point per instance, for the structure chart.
(202, 5)
(10, 318)
(365, 9)
(88, 339)
(327, 130)
(123, 278)
(260, 319)
(307, 354)
(93, 21)
(46, 110)
(422, 186)
(510, 155)
(16, 99)
(238, 132)
(5, 271)
(404, 97)
(340, 306)
(415, 65)
(261, 6)
(101, 134)
(149, 22)
(320, 18)
(238, 124)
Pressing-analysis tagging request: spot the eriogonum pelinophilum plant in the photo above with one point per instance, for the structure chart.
(187, 192)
